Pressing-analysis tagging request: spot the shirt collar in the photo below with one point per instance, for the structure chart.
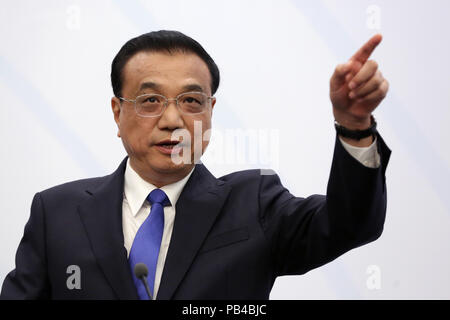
(137, 189)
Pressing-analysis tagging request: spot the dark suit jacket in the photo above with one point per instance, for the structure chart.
(232, 236)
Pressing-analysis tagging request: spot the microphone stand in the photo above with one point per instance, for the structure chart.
(144, 281)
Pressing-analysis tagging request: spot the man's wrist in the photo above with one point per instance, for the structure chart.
(353, 122)
(358, 134)
(364, 142)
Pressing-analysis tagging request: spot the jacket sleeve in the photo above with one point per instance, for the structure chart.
(29, 280)
(306, 233)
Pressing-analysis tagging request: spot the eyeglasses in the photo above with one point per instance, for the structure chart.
(153, 105)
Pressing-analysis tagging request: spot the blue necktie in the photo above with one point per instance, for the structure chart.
(146, 244)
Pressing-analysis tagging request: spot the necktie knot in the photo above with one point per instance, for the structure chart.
(158, 196)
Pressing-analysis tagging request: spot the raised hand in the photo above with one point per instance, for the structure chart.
(357, 87)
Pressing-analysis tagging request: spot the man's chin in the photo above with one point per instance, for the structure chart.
(168, 167)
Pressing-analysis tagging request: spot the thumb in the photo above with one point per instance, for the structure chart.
(338, 78)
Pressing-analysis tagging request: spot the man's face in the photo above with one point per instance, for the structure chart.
(168, 75)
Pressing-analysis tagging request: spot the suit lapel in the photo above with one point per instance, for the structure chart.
(197, 208)
(101, 215)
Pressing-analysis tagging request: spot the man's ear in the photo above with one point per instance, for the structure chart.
(116, 109)
(213, 102)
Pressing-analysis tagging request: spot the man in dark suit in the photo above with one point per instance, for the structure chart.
(200, 237)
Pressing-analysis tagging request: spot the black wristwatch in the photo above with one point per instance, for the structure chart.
(357, 134)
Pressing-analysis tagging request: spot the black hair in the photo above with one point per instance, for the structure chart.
(163, 40)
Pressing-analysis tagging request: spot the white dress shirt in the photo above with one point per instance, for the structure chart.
(368, 156)
(135, 207)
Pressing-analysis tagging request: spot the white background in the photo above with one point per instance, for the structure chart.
(276, 58)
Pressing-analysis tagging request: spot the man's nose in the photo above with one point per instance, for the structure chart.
(171, 117)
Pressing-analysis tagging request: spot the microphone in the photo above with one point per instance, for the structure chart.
(141, 272)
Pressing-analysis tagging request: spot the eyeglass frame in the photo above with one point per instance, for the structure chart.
(166, 103)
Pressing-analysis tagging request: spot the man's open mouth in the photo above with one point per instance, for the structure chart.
(169, 146)
(169, 143)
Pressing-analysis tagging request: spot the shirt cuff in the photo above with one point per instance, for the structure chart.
(368, 156)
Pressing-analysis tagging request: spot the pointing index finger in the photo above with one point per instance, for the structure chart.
(363, 54)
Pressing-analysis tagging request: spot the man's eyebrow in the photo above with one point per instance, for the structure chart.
(155, 86)
(149, 85)
(193, 87)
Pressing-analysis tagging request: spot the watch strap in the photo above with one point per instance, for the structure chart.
(356, 134)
